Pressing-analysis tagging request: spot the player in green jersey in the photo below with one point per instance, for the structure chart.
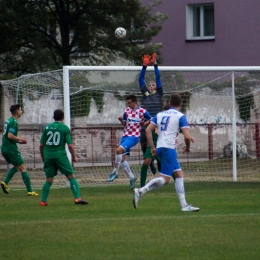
(52, 148)
(11, 153)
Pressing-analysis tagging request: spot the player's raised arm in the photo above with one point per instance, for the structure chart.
(156, 71)
(146, 62)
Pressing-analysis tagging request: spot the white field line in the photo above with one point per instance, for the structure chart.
(185, 215)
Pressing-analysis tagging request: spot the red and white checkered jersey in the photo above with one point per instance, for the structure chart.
(133, 118)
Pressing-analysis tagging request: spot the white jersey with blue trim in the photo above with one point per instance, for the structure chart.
(169, 123)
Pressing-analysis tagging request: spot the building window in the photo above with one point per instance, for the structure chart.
(200, 22)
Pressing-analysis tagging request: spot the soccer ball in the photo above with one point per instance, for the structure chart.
(120, 32)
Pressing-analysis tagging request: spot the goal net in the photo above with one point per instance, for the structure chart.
(221, 105)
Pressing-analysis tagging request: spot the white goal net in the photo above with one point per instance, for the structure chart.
(221, 104)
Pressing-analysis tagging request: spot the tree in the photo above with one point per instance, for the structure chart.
(46, 34)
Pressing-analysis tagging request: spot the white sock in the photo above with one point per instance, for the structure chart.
(152, 185)
(118, 162)
(179, 187)
(127, 170)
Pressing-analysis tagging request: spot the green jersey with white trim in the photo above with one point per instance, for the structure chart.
(54, 138)
(10, 125)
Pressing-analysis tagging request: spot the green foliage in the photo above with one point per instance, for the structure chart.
(20, 100)
(227, 225)
(120, 96)
(185, 100)
(44, 35)
(216, 86)
(244, 100)
(80, 102)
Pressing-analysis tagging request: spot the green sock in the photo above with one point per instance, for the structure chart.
(10, 175)
(75, 188)
(27, 181)
(143, 174)
(46, 190)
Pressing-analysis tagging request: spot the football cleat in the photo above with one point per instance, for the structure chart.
(132, 183)
(189, 208)
(80, 201)
(43, 203)
(32, 193)
(4, 187)
(112, 176)
(136, 198)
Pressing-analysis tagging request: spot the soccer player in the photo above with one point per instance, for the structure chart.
(168, 123)
(52, 148)
(151, 100)
(11, 153)
(148, 157)
(132, 119)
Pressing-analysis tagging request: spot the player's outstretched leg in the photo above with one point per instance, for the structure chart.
(151, 185)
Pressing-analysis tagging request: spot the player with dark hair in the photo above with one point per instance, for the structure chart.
(52, 148)
(132, 119)
(168, 123)
(151, 100)
(11, 153)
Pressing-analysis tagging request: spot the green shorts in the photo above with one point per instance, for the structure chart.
(13, 156)
(148, 154)
(51, 166)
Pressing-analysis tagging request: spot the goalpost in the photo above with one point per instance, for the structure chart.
(221, 104)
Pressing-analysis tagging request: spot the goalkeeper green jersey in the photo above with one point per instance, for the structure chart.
(11, 125)
(54, 138)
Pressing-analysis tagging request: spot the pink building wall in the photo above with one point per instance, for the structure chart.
(237, 35)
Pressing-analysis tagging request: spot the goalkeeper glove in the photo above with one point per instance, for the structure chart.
(153, 59)
(146, 60)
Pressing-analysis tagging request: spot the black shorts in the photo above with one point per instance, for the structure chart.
(143, 139)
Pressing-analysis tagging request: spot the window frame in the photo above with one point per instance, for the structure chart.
(190, 23)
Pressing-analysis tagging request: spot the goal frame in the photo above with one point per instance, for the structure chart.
(232, 69)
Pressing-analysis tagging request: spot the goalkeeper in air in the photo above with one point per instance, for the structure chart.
(152, 102)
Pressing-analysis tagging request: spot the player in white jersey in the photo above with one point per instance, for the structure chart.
(133, 117)
(169, 123)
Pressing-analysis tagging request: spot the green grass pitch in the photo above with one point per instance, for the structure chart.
(226, 227)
